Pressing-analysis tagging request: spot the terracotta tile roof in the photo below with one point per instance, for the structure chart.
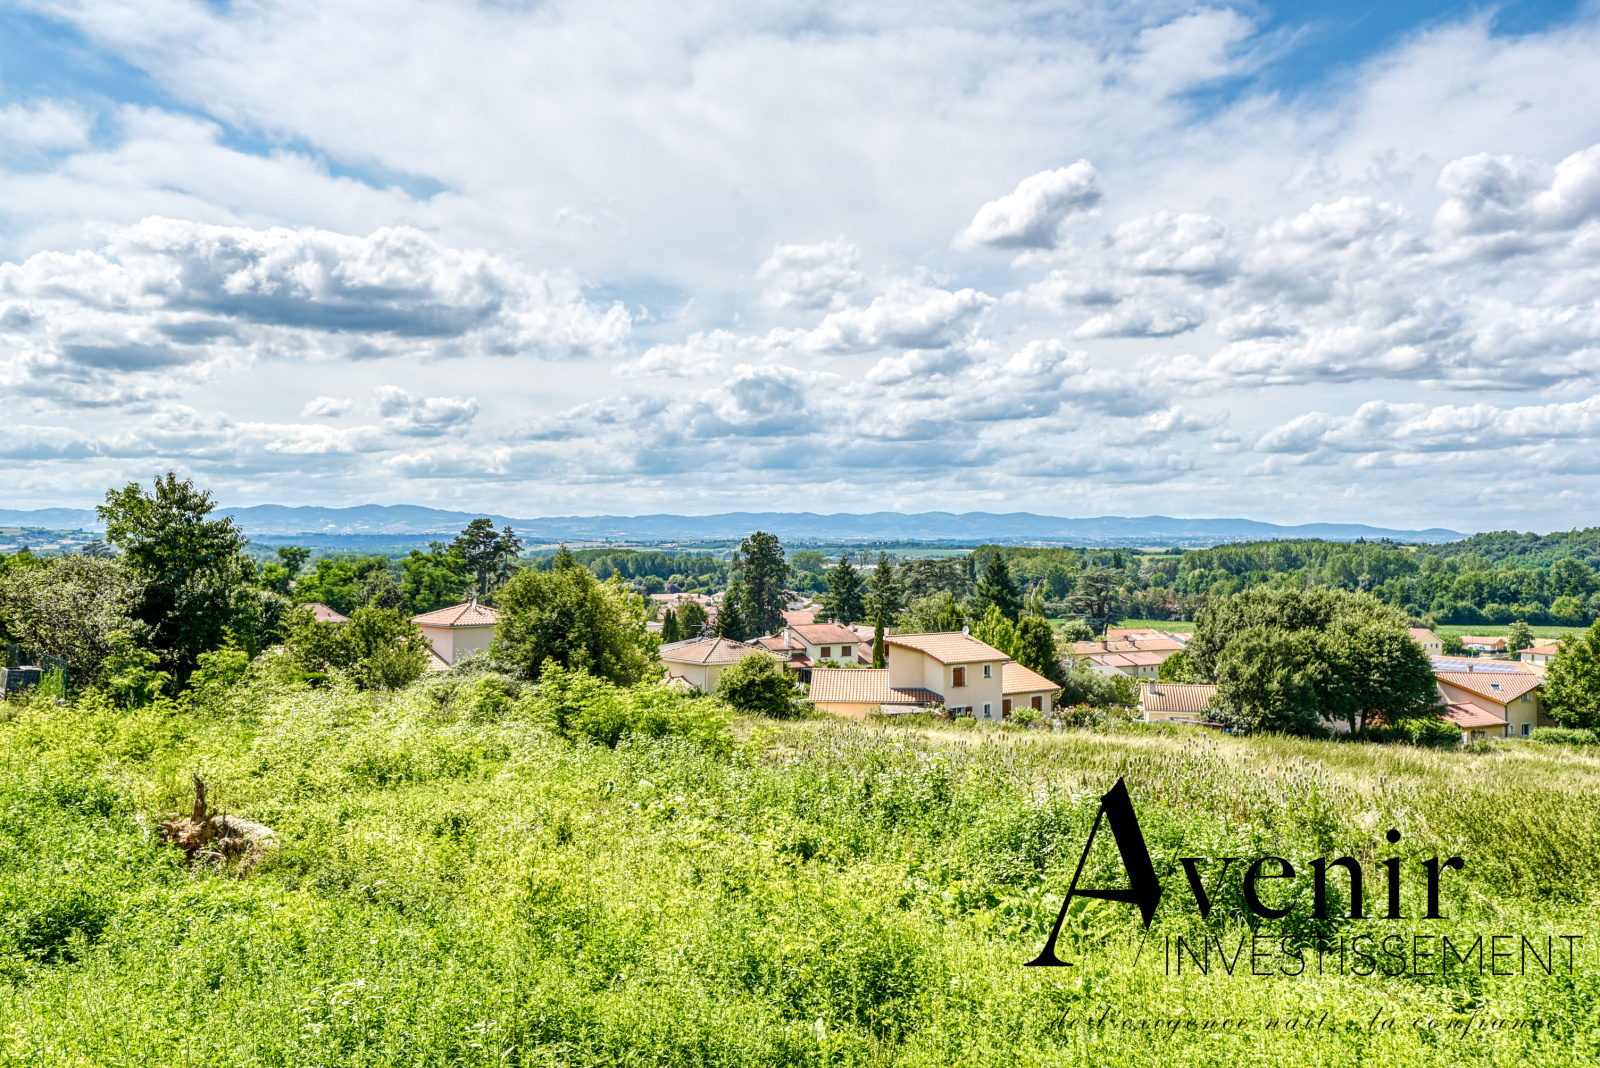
(1144, 634)
(1014, 678)
(1471, 717)
(707, 651)
(435, 661)
(1128, 659)
(1499, 686)
(471, 614)
(778, 643)
(1488, 642)
(800, 617)
(323, 614)
(1176, 696)
(865, 686)
(1544, 650)
(1163, 644)
(825, 634)
(951, 647)
(1424, 636)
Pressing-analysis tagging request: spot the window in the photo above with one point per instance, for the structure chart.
(988, 710)
(1005, 707)
(827, 651)
(1038, 704)
(1494, 686)
(844, 652)
(958, 676)
(1528, 697)
(1525, 728)
(988, 671)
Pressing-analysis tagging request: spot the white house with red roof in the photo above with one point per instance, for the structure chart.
(700, 661)
(803, 644)
(1507, 690)
(953, 669)
(458, 630)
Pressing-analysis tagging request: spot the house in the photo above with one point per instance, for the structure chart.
(802, 645)
(323, 614)
(1138, 653)
(458, 630)
(1539, 654)
(1505, 689)
(956, 670)
(1475, 723)
(803, 617)
(1482, 644)
(1175, 702)
(1022, 687)
(700, 661)
(854, 692)
(1431, 643)
(967, 673)
(1145, 634)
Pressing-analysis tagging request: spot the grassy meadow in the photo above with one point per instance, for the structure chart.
(455, 886)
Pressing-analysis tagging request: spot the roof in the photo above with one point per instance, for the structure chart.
(950, 647)
(1130, 644)
(1470, 716)
(323, 614)
(1176, 696)
(1543, 650)
(1143, 634)
(1424, 636)
(1483, 639)
(1501, 682)
(1129, 659)
(708, 651)
(865, 686)
(435, 661)
(1014, 678)
(825, 633)
(800, 617)
(471, 614)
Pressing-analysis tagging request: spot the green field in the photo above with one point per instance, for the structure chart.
(455, 886)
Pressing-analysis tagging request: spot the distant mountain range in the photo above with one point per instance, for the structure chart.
(277, 521)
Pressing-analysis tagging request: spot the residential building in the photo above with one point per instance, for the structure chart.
(458, 630)
(802, 645)
(956, 670)
(1137, 653)
(967, 673)
(1176, 702)
(1505, 689)
(1539, 654)
(1481, 644)
(1475, 723)
(323, 614)
(700, 661)
(1431, 643)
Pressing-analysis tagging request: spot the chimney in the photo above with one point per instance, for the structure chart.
(964, 629)
(474, 601)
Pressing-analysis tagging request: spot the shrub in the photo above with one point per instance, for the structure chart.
(576, 705)
(1438, 733)
(1563, 736)
(379, 648)
(762, 685)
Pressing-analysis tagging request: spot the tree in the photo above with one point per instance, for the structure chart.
(379, 648)
(845, 604)
(1057, 582)
(1095, 597)
(76, 607)
(1451, 645)
(996, 588)
(880, 652)
(487, 555)
(571, 618)
(1035, 648)
(293, 558)
(930, 615)
(1290, 659)
(669, 628)
(761, 567)
(996, 630)
(1178, 668)
(1076, 630)
(692, 620)
(189, 569)
(435, 579)
(1518, 636)
(1572, 681)
(760, 683)
(277, 575)
(733, 615)
(883, 590)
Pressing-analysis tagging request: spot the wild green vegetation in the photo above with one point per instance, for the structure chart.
(481, 872)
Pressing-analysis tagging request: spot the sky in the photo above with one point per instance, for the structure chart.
(1293, 262)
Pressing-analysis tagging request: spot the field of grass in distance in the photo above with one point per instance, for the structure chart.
(456, 886)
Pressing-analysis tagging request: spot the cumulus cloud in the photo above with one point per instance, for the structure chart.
(423, 416)
(330, 407)
(1031, 216)
(166, 294)
(810, 277)
(907, 315)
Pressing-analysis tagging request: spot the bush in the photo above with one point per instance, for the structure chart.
(378, 648)
(1437, 733)
(1563, 736)
(760, 684)
(576, 705)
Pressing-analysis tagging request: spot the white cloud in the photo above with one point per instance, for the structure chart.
(907, 315)
(423, 416)
(822, 276)
(1031, 216)
(330, 407)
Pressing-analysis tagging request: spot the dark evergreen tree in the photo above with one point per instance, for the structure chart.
(763, 574)
(996, 588)
(844, 592)
(489, 556)
(669, 628)
(880, 651)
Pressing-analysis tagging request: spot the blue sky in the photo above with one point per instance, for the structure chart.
(1292, 261)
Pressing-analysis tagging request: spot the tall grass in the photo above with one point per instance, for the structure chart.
(456, 884)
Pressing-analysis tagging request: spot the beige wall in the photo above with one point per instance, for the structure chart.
(847, 708)
(452, 643)
(704, 676)
(1025, 700)
(909, 667)
(1516, 712)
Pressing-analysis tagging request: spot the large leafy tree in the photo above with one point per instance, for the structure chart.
(692, 619)
(845, 603)
(760, 683)
(1035, 648)
(379, 648)
(569, 617)
(996, 588)
(1572, 681)
(78, 608)
(1287, 659)
(489, 556)
(194, 582)
(435, 579)
(763, 573)
(1096, 596)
